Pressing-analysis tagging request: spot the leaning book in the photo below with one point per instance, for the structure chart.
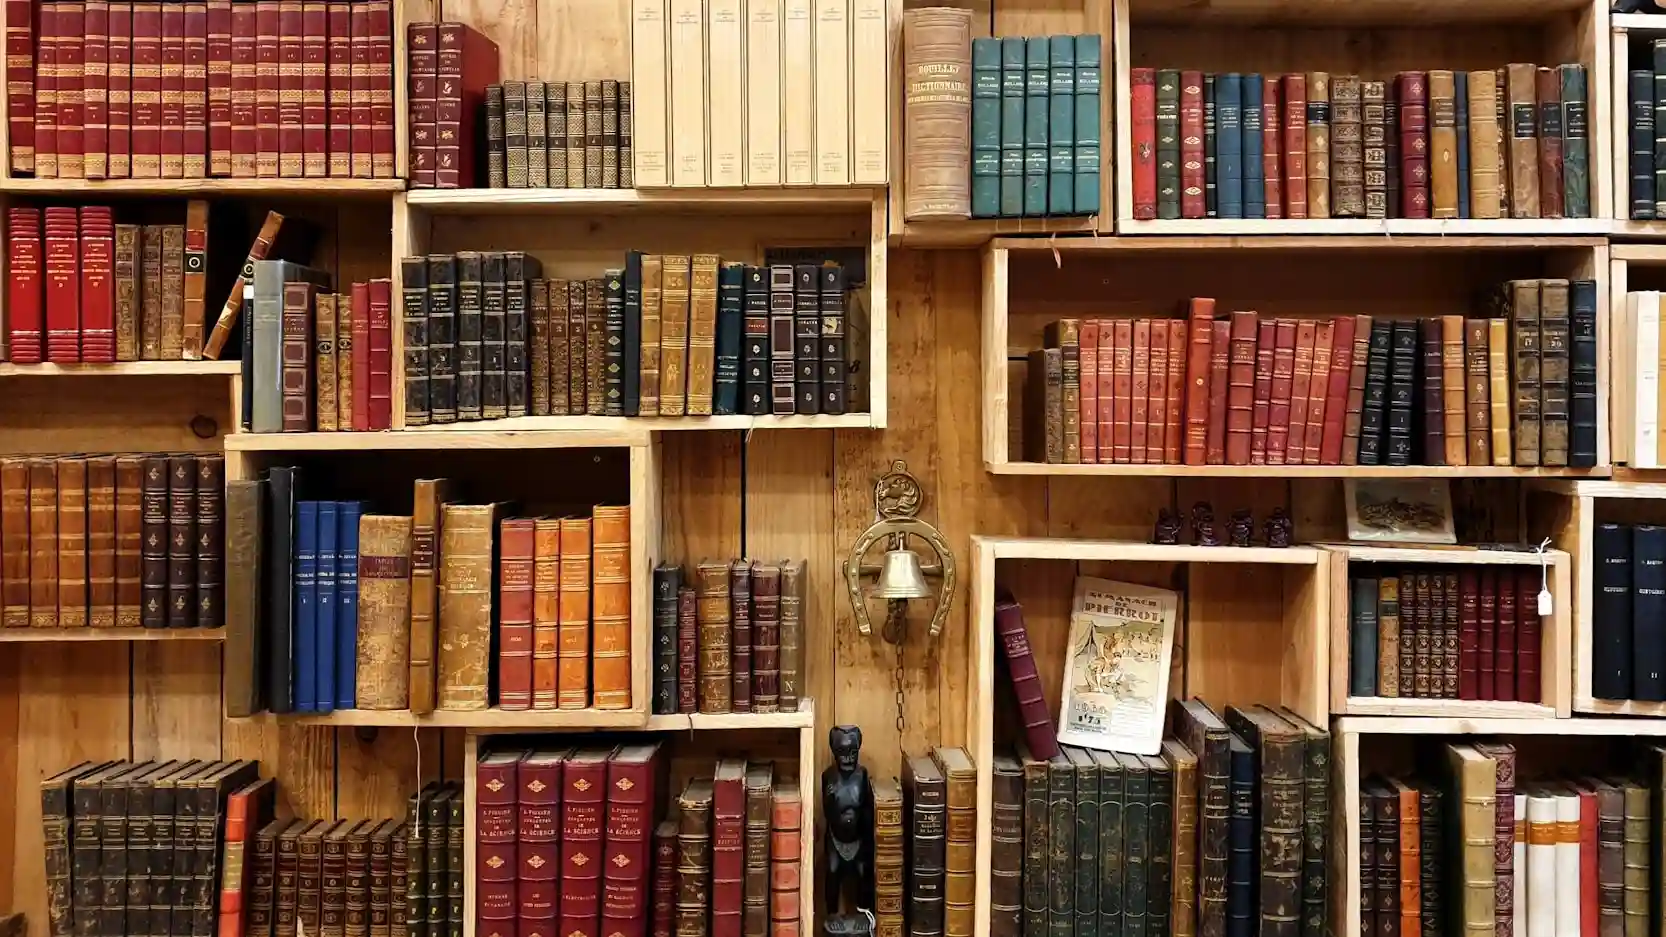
(1116, 680)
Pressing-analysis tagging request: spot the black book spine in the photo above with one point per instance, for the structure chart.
(1376, 393)
(781, 388)
(185, 859)
(1110, 845)
(1242, 869)
(280, 581)
(1061, 820)
(1642, 145)
(246, 318)
(413, 274)
(518, 268)
(1136, 844)
(1159, 893)
(1038, 848)
(1582, 365)
(496, 162)
(139, 800)
(182, 539)
(633, 338)
(754, 362)
(666, 581)
(1648, 612)
(112, 834)
(1385, 809)
(613, 349)
(437, 864)
(1367, 846)
(164, 882)
(1402, 381)
(454, 865)
(153, 519)
(1315, 827)
(442, 338)
(731, 286)
(1433, 410)
(494, 333)
(835, 366)
(1659, 127)
(470, 310)
(1430, 829)
(1087, 848)
(1211, 207)
(806, 339)
(86, 888)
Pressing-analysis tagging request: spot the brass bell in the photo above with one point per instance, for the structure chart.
(900, 576)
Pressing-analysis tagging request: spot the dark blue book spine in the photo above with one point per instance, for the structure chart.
(1362, 635)
(1460, 82)
(1376, 394)
(1255, 180)
(1648, 612)
(731, 300)
(986, 127)
(1242, 913)
(1582, 444)
(1642, 150)
(325, 609)
(1576, 143)
(1229, 146)
(278, 611)
(347, 603)
(1611, 614)
(246, 315)
(1658, 144)
(306, 604)
(633, 333)
(1211, 168)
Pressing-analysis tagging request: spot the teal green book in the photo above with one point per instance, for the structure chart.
(1087, 125)
(986, 128)
(1168, 143)
(1012, 127)
(1061, 113)
(1035, 126)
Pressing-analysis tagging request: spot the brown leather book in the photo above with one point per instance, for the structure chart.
(182, 540)
(1503, 826)
(888, 862)
(1347, 148)
(573, 620)
(546, 611)
(1548, 82)
(516, 549)
(150, 301)
(1477, 393)
(298, 348)
(937, 104)
(1301, 380)
(101, 541)
(728, 847)
(712, 585)
(427, 510)
(386, 550)
(792, 633)
(245, 514)
(1554, 348)
(1241, 393)
(1522, 94)
(332, 892)
(465, 619)
(1198, 358)
(1336, 390)
(1318, 389)
(1006, 851)
(653, 300)
(127, 292)
(130, 475)
(1157, 394)
(14, 543)
(1318, 145)
(1443, 145)
(767, 652)
(760, 803)
(702, 332)
(539, 315)
(1453, 388)
(960, 866)
(210, 542)
(1043, 435)
(674, 332)
(173, 291)
(1280, 751)
(694, 860)
(1122, 390)
(1174, 431)
(740, 634)
(1184, 861)
(1498, 389)
(72, 542)
(345, 380)
(611, 640)
(1139, 423)
(1281, 387)
(560, 348)
(154, 533)
(1220, 346)
(1065, 335)
(324, 362)
(1519, 302)
(1483, 144)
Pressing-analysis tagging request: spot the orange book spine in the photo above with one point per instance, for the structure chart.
(1197, 381)
(573, 652)
(611, 594)
(1140, 387)
(1105, 398)
(515, 572)
(546, 611)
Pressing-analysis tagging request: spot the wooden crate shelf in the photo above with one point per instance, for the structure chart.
(572, 425)
(712, 202)
(1287, 471)
(1625, 29)
(466, 437)
(483, 719)
(1363, 13)
(1555, 648)
(84, 635)
(195, 188)
(124, 369)
(1364, 227)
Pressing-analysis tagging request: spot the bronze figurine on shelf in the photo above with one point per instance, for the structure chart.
(847, 804)
(1168, 527)
(1203, 525)
(1241, 531)
(1281, 530)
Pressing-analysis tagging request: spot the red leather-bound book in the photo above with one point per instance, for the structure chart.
(1139, 417)
(72, 110)
(468, 62)
(315, 88)
(381, 354)
(1122, 387)
(1198, 355)
(635, 779)
(1220, 352)
(95, 79)
(219, 87)
(728, 846)
(1336, 390)
(1283, 388)
(244, 56)
(1318, 386)
(1295, 146)
(98, 284)
(1272, 147)
(268, 87)
(194, 143)
(118, 109)
(496, 785)
(538, 835)
(1548, 86)
(147, 91)
(1528, 624)
(381, 89)
(1589, 903)
(24, 286)
(515, 558)
(46, 92)
(339, 97)
(1486, 633)
(1300, 386)
(20, 84)
(292, 138)
(1191, 145)
(1157, 392)
(1262, 400)
(360, 298)
(1469, 634)
(583, 808)
(63, 286)
(1089, 409)
(1504, 640)
(173, 90)
(1105, 394)
(422, 41)
(1144, 107)
(1174, 434)
(688, 650)
(363, 136)
(1026, 682)
(1412, 90)
(1240, 395)
(665, 877)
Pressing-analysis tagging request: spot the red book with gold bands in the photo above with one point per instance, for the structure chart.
(98, 284)
(1144, 118)
(20, 83)
(119, 94)
(1414, 143)
(380, 414)
(72, 109)
(24, 286)
(583, 811)
(363, 121)
(219, 86)
(244, 56)
(339, 89)
(1336, 393)
(292, 140)
(538, 840)
(496, 787)
(96, 89)
(1192, 175)
(172, 134)
(1263, 396)
(63, 286)
(635, 780)
(315, 87)
(1295, 148)
(515, 558)
(194, 103)
(381, 89)
(268, 87)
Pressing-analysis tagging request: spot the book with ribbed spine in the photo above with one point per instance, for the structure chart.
(1471, 814)
(1006, 899)
(1520, 94)
(613, 350)
(1519, 303)
(667, 579)
(767, 652)
(1347, 142)
(1036, 842)
(1548, 91)
(1576, 153)
(1554, 366)
(1167, 121)
(760, 804)
(925, 793)
(1280, 770)
(1582, 381)
(716, 690)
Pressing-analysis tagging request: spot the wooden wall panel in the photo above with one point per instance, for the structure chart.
(176, 700)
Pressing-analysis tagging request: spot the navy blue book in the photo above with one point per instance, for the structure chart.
(1211, 140)
(1648, 612)
(1582, 440)
(246, 316)
(1641, 146)
(1229, 146)
(278, 551)
(305, 589)
(633, 335)
(1242, 910)
(1362, 635)
(731, 302)
(1460, 82)
(347, 603)
(325, 608)
(1255, 180)
(1611, 660)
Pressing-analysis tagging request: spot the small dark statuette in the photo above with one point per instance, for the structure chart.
(1242, 529)
(1280, 529)
(1168, 527)
(847, 803)
(1203, 525)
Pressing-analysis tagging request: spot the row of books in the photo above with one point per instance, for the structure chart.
(452, 607)
(315, 360)
(1628, 620)
(1505, 143)
(934, 863)
(1647, 163)
(729, 638)
(487, 336)
(559, 135)
(202, 88)
(112, 541)
(1517, 387)
(1445, 632)
(1035, 126)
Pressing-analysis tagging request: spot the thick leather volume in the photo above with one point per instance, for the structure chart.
(960, 872)
(1582, 380)
(470, 355)
(584, 818)
(1443, 144)
(413, 275)
(1160, 814)
(1506, 637)
(793, 588)
(14, 543)
(1065, 335)
(1611, 632)
(1143, 114)
(785, 864)
(25, 287)
(465, 612)
(926, 791)
(1318, 145)
(740, 634)
(1295, 146)
(1503, 779)
(1122, 394)
(688, 653)
(667, 580)
(519, 269)
(1193, 177)
(1610, 857)
(937, 99)
(1554, 353)
(1433, 403)
(1036, 852)
(1174, 385)
(1137, 847)
(1362, 637)
(379, 384)
(324, 363)
(98, 284)
(1182, 765)
(546, 613)
(1301, 387)
(539, 820)
(1477, 391)
(1576, 152)
(539, 319)
(768, 654)
(728, 846)
(1318, 388)
(652, 328)
(611, 614)
(712, 581)
(1241, 390)
(1198, 374)
(1529, 625)
(386, 550)
(1272, 147)
(493, 334)
(208, 541)
(442, 311)
(1521, 95)
(1454, 390)
(1282, 796)
(1316, 780)
(1399, 448)
(573, 621)
(1206, 736)
(297, 367)
(498, 784)
(676, 328)
(1281, 388)
(781, 330)
(1167, 173)
(1412, 88)
(246, 503)
(1026, 683)
(635, 780)
(1519, 303)
(1354, 411)
(428, 503)
(702, 332)
(1548, 90)
(63, 286)
(466, 65)
(1156, 379)
(1333, 428)
(664, 909)
(694, 834)
(1006, 856)
(156, 516)
(72, 543)
(760, 804)
(100, 516)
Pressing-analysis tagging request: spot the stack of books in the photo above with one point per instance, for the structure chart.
(559, 135)
(729, 638)
(1505, 143)
(1628, 620)
(1035, 126)
(313, 360)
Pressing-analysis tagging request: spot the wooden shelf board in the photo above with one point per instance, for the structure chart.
(1468, 556)
(591, 424)
(1445, 709)
(77, 635)
(1416, 13)
(1605, 488)
(1289, 471)
(1291, 242)
(1051, 548)
(467, 439)
(1642, 253)
(1625, 22)
(130, 368)
(490, 719)
(1505, 227)
(1610, 707)
(804, 718)
(1459, 725)
(294, 188)
(972, 232)
(824, 200)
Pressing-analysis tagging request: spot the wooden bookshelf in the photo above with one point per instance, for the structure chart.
(123, 369)
(465, 437)
(81, 635)
(602, 202)
(199, 188)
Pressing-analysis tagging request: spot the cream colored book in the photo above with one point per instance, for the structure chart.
(833, 92)
(688, 93)
(1473, 873)
(870, 72)
(798, 92)
(1540, 912)
(1567, 860)
(763, 92)
(1645, 369)
(650, 116)
(1619, 381)
(1117, 666)
(725, 93)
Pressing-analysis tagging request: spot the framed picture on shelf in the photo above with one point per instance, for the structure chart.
(1397, 511)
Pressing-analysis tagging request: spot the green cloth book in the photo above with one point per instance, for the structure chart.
(1086, 199)
(1012, 127)
(1168, 143)
(1036, 85)
(986, 127)
(1061, 113)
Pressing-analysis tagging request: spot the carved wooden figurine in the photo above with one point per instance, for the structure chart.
(1203, 525)
(1241, 531)
(1168, 527)
(847, 804)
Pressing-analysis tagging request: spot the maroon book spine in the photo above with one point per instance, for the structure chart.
(63, 286)
(538, 836)
(1026, 682)
(1145, 142)
(315, 88)
(340, 95)
(46, 93)
(268, 90)
(1504, 649)
(1240, 399)
(359, 152)
(24, 304)
(96, 89)
(1486, 635)
(687, 651)
(1412, 88)
(173, 90)
(423, 41)
(1220, 354)
(1548, 84)
(20, 83)
(381, 89)
(468, 62)
(1174, 434)
(741, 630)
(219, 87)
(71, 47)
(665, 878)
(1300, 387)
(118, 137)
(381, 354)
(360, 300)
(515, 559)
(147, 91)
(632, 802)
(1272, 148)
(1469, 634)
(1318, 389)
(194, 99)
(1261, 412)
(1528, 623)
(1295, 147)
(292, 137)
(98, 284)
(244, 58)
(496, 786)
(728, 850)
(1139, 417)
(1191, 145)
(1336, 390)
(1156, 391)
(1284, 374)
(583, 804)
(1198, 356)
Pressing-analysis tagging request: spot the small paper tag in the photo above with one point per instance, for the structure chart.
(1544, 602)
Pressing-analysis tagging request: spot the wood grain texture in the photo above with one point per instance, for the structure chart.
(176, 700)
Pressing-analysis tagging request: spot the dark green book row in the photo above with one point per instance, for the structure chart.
(1036, 126)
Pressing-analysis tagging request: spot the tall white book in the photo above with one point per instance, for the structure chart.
(1645, 450)
(688, 93)
(870, 73)
(1541, 864)
(763, 92)
(798, 92)
(650, 132)
(1620, 389)
(725, 93)
(832, 92)
(1567, 862)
